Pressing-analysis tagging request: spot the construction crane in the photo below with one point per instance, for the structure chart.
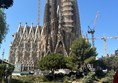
(104, 38)
(38, 12)
(92, 30)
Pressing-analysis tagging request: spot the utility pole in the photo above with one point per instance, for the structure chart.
(3, 56)
(2, 63)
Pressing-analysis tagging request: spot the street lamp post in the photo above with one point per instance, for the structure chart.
(3, 56)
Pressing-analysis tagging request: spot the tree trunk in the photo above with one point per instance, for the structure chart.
(53, 74)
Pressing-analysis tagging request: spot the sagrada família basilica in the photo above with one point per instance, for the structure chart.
(61, 26)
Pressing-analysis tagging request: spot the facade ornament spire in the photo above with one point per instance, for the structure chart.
(32, 25)
(19, 27)
(20, 24)
(26, 24)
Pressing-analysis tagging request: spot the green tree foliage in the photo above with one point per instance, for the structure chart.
(89, 78)
(108, 77)
(72, 63)
(2, 70)
(52, 62)
(9, 70)
(6, 70)
(111, 62)
(99, 63)
(82, 53)
(3, 26)
(6, 3)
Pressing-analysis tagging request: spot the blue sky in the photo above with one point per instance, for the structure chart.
(107, 24)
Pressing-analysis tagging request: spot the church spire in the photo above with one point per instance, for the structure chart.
(19, 26)
(47, 14)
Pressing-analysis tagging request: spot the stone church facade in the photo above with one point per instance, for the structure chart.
(61, 26)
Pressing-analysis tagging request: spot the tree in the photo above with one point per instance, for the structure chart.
(89, 78)
(9, 69)
(6, 3)
(99, 63)
(52, 62)
(111, 62)
(82, 53)
(3, 26)
(6, 70)
(72, 63)
(2, 71)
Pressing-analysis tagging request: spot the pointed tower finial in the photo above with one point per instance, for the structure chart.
(87, 38)
(37, 25)
(32, 24)
(26, 24)
(19, 27)
(20, 23)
